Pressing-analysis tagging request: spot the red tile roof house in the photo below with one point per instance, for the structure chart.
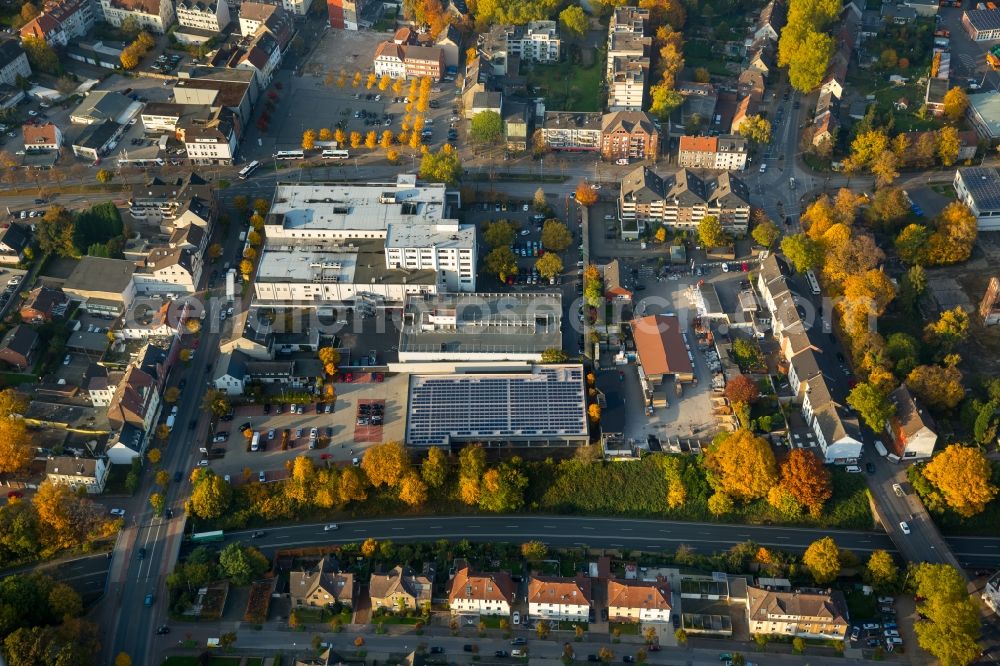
(481, 593)
(42, 137)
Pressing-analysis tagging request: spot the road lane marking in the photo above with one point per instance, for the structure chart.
(435, 527)
(585, 527)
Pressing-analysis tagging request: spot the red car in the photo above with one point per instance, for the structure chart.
(349, 377)
(15, 493)
(378, 377)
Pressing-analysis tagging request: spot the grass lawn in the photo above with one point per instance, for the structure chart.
(861, 607)
(568, 86)
(566, 625)
(945, 190)
(254, 661)
(15, 378)
(396, 619)
(625, 628)
(492, 621)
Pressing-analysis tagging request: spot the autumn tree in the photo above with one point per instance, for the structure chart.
(756, 129)
(766, 233)
(371, 140)
(948, 145)
(822, 558)
(806, 478)
(804, 252)
(350, 486)
(501, 262)
(443, 166)
(549, 265)
(585, 194)
(742, 466)
(499, 233)
(742, 389)
(533, 550)
(16, 448)
(949, 331)
(954, 235)
(881, 571)
(952, 627)
(385, 464)
(309, 139)
(963, 476)
(369, 547)
(710, 232)
(502, 488)
(122, 659)
(936, 386)
(556, 236)
(210, 495)
(955, 104)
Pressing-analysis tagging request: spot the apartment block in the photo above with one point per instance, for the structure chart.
(682, 199)
(572, 131)
(152, 15)
(724, 153)
(61, 22)
(210, 16)
(629, 135)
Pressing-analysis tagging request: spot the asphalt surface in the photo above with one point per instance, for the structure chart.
(647, 535)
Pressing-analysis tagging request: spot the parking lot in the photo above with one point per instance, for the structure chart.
(314, 101)
(340, 448)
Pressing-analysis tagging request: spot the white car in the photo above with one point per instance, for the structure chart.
(904, 528)
(330, 528)
(898, 489)
(763, 167)
(516, 618)
(118, 513)
(32, 113)
(524, 208)
(203, 462)
(725, 267)
(261, 477)
(622, 161)
(67, 360)
(525, 232)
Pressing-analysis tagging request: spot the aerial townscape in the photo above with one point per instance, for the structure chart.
(442, 332)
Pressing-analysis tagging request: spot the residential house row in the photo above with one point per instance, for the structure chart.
(910, 433)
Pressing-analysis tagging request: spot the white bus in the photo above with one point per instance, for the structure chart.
(143, 162)
(248, 170)
(813, 282)
(336, 154)
(289, 155)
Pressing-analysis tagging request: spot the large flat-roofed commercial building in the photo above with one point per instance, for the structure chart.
(410, 219)
(321, 273)
(979, 189)
(543, 406)
(480, 327)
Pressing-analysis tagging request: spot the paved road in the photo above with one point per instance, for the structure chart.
(380, 648)
(649, 535)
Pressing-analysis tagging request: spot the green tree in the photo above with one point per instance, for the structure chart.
(443, 166)
(499, 233)
(710, 232)
(104, 176)
(804, 253)
(756, 129)
(54, 232)
(822, 558)
(765, 233)
(534, 550)
(503, 488)
(242, 564)
(747, 354)
(549, 265)
(952, 626)
(574, 21)
(911, 244)
(486, 127)
(556, 236)
(434, 470)
(873, 404)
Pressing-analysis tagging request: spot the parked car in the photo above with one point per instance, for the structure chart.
(904, 528)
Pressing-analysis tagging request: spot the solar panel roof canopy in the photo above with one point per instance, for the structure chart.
(545, 404)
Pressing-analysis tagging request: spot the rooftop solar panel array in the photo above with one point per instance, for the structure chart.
(547, 404)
